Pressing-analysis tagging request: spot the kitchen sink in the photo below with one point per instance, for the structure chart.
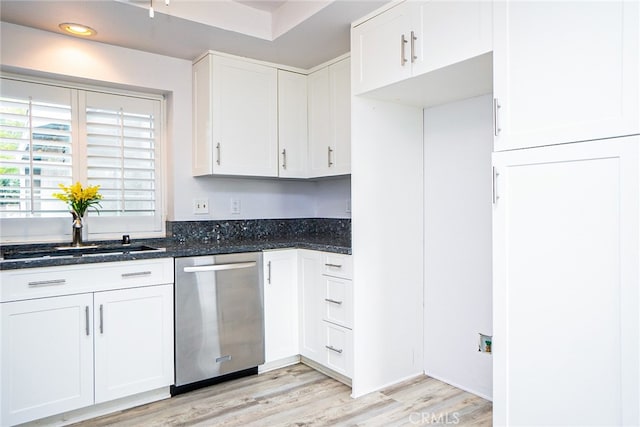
(77, 251)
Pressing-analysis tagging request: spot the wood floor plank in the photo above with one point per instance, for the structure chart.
(302, 397)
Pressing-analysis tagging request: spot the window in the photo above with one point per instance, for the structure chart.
(52, 135)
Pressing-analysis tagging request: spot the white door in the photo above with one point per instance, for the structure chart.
(245, 118)
(47, 357)
(339, 158)
(292, 124)
(280, 304)
(566, 287)
(133, 341)
(565, 71)
(320, 127)
(447, 32)
(310, 302)
(381, 50)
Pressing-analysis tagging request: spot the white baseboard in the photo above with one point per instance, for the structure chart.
(280, 363)
(461, 387)
(100, 409)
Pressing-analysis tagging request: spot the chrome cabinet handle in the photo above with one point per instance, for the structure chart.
(329, 151)
(269, 272)
(494, 188)
(496, 114)
(101, 320)
(219, 267)
(332, 348)
(403, 42)
(284, 158)
(333, 265)
(332, 301)
(135, 274)
(86, 319)
(48, 282)
(413, 47)
(218, 154)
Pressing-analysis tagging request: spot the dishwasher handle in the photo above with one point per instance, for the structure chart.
(220, 267)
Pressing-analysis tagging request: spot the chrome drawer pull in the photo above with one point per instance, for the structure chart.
(329, 347)
(86, 319)
(332, 301)
(334, 265)
(48, 282)
(220, 267)
(136, 274)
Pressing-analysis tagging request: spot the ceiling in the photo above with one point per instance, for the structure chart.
(298, 33)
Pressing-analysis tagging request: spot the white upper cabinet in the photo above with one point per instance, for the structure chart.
(565, 71)
(416, 37)
(292, 124)
(235, 117)
(330, 120)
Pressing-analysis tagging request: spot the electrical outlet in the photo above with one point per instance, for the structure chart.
(200, 206)
(235, 206)
(348, 206)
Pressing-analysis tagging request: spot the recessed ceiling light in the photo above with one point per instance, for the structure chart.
(77, 29)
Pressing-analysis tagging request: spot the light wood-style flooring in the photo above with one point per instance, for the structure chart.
(300, 396)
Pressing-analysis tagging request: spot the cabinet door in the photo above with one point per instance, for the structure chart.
(340, 107)
(47, 357)
(337, 301)
(320, 130)
(133, 341)
(447, 32)
(203, 144)
(380, 49)
(309, 271)
(245, 118)
(566, 287)
(565, 71)
(292, 124)
(280, 304)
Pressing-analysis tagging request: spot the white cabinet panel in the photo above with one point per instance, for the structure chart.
(236, 120)
(309, 272)
(566, 286)
(133, 341)
(330, 120)
(338, 301)
(280, 304)
(565, 71)
(292, 124)
(47, 357)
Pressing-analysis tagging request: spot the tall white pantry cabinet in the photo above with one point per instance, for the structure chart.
(566, 257)
(566, 215)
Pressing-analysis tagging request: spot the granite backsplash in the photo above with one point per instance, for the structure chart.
(261, 229)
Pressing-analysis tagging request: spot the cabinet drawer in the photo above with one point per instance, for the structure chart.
(54, 281)
(338, 301)
(337, 265)
(338, 353)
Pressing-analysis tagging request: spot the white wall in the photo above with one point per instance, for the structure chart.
(458, 207)
(42, 53)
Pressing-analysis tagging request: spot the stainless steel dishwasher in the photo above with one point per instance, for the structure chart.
(219, 318)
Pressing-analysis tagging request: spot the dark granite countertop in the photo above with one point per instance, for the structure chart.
(174, 248)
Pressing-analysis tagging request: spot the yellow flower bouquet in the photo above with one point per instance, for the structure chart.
(80, 199)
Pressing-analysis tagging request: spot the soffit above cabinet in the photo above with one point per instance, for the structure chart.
(297, 33)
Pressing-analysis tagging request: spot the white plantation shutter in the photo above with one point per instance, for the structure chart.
(122, 154)
(51, 134)
(35, 148)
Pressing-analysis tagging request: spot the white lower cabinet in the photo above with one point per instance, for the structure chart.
(566, 335)
(62, 349)
(133, 349)
(46, 358)
(280, 305)
(326, 310)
